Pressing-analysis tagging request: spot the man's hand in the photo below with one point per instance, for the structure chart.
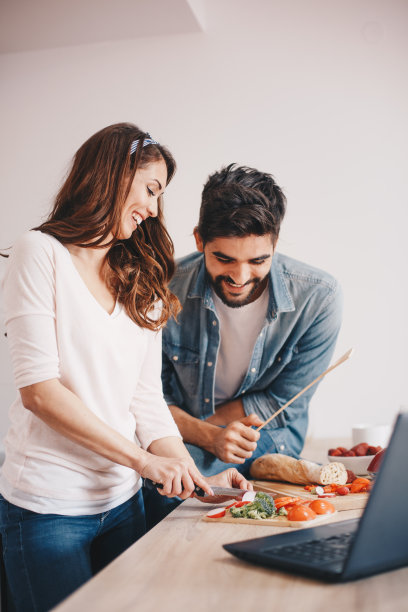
(227, 478)
(237, 441)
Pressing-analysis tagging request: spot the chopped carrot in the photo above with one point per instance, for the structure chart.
(284, 501)
(360, 479)
(357, 487)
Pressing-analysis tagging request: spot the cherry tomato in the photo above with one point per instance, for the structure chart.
(321, 506)
(301, 513)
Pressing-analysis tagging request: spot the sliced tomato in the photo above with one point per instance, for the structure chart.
(301, 513)
(216, 513)
(321, 506)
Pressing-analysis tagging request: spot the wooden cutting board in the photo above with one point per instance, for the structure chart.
(352, 501)
(278, 521)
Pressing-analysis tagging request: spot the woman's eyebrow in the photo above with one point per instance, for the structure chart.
(158, 182)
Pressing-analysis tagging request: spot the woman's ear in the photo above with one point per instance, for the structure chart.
(199, 240)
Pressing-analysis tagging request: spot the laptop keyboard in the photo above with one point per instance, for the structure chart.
(331, 549)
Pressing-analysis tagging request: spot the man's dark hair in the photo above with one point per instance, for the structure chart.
(239, 201)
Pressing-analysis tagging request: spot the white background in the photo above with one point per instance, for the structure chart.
(314, 92)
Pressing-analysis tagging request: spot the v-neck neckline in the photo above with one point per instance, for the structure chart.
(117, 307)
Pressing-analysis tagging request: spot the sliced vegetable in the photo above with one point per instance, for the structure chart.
(301, 513)
(285, 501)
(321, 506)
(249, 496)
(216, 513)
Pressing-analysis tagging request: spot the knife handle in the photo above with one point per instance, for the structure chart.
(149, 484)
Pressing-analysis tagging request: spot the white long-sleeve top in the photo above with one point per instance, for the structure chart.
(57, 329)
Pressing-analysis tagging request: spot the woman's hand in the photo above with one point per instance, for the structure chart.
(228, 478)
(177, 475)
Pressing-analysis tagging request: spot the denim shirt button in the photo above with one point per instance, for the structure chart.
(214, 322)
(207, 400)
(209, 363)
(253, 369)
(282, 447)
(279, 359)
(175, 357)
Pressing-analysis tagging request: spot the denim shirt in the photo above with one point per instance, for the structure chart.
(294, 346)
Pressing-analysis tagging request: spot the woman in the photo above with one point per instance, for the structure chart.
(85, 298)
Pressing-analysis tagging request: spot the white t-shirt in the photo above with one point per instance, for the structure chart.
(57, 329)
(239, 329)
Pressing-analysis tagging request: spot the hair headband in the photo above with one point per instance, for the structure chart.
(147, 141)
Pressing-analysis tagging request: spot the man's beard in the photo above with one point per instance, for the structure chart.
(237, 303)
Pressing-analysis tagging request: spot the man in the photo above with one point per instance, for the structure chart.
(256, 327)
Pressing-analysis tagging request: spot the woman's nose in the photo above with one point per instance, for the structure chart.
(153, 208)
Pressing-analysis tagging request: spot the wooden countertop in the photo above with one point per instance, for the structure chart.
(181, 565)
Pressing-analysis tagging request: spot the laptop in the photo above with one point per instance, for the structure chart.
(352, 549)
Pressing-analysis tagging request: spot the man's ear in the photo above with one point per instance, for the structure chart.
(199, 240)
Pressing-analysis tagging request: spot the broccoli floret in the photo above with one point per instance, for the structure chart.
(266, 502)
(262, 507)
(237, 512)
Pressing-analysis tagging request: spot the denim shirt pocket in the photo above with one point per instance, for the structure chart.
(285, 356)
(186, 364)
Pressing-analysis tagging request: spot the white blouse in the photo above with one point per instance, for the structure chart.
(57, 329)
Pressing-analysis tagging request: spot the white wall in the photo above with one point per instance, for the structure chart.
(314, 92)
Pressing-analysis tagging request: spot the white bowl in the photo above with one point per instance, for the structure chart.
(358, 465)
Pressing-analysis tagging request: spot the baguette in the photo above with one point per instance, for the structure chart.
(297, 471)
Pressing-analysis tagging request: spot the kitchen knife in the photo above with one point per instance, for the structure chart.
(230, 492)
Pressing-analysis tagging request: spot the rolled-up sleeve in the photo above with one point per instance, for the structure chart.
(153, 417)
(29, 310)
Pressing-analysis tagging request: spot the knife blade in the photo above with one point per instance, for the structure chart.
(227, 491)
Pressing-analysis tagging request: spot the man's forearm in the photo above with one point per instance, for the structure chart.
(193, 430)
(228, 412)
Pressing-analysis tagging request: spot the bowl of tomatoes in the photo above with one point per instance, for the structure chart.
(357, 459)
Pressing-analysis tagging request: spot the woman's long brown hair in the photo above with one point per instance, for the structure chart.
(87, 211)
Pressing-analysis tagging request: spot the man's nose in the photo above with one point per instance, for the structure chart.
(240, 274)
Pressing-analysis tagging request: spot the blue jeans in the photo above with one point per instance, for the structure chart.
(48, 556)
